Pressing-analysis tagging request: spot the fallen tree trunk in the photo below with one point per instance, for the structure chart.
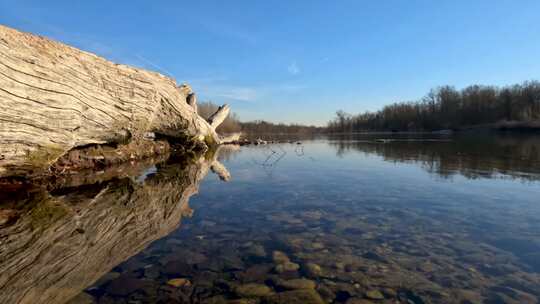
(54, 98)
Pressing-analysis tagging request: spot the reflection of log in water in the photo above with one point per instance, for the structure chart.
(60, 242)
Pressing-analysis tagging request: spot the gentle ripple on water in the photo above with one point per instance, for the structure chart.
(342, 220)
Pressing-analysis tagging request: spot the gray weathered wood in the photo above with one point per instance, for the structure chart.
(192, 101)
(217, 118)
(232, 138)
(54, 98)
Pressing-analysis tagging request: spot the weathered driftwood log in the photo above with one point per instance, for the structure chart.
(54, 98)
(62, 243)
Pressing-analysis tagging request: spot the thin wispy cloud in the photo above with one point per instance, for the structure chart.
(293, 68)
(153, 65)
(289, 87)
(238, 93)
(206, 79)
(227, 29)
(85, 42)
(224, 92)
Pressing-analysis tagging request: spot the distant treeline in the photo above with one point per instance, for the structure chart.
(448, 108)
(233, 124)
(264, 127)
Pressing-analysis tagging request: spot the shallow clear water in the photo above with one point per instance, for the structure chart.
(404, 219)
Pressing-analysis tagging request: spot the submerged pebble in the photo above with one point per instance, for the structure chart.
(358, 301)
(313, 269)
(179, 282)
(286, 267)
(253, 290)
(304, 296)
(297, 284)
(280, 257)
(374, 295)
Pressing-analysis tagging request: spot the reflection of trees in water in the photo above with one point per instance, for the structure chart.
(59, 241)
(472, 157)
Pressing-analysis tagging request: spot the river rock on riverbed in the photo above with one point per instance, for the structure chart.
(253, 290)
(304, 296)
(297, 284)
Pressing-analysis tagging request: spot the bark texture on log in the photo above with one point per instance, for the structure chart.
(54, 97)
(60, 242)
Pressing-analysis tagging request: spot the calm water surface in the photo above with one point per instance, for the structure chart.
(361, 219)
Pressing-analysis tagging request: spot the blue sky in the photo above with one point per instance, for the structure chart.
(300, 61)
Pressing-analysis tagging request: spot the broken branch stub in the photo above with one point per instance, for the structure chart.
(217, 118)
(232, 138)
(192, 101)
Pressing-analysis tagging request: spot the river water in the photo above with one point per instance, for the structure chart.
(356, 219)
